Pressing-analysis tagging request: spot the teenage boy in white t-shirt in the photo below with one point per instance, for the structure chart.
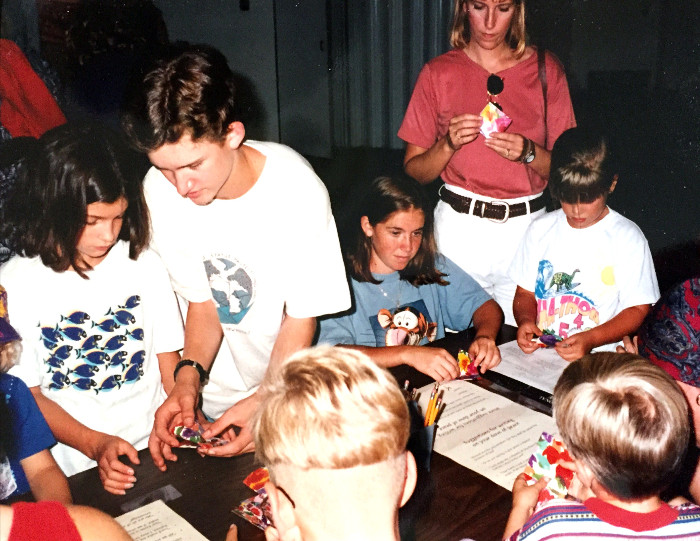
(246, 232)
(584, 273)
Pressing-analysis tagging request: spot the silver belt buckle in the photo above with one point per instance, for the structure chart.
(505, 216)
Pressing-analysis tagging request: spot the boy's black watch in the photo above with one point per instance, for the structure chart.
(203, 375)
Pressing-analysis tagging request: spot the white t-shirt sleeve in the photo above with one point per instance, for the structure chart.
(160, 305)
(634, 269)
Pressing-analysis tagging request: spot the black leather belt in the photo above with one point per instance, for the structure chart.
(497, 211)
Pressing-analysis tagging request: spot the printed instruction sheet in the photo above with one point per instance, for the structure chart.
(486, 432)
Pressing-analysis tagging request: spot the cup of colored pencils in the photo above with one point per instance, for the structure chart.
(423, 425)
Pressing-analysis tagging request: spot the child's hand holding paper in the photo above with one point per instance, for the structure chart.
(467, 368)
(192, 438)
(546, 462)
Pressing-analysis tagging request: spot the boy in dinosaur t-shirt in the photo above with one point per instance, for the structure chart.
(584, 273)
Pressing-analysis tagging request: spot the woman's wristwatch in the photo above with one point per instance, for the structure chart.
(528, 153)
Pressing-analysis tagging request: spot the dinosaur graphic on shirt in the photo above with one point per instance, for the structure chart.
(563, 281)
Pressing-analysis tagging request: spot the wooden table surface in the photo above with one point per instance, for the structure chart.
(451, 502)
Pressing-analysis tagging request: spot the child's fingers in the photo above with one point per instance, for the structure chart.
(242, 444)
(132, 454)
(567, 464)
(116, 486)
(541, 483)
(528, 346)
(232, 534)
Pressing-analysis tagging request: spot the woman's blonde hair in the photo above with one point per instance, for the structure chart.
(624, 418)
(332, 408)
(516, 36)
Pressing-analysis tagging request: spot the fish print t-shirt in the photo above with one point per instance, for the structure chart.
(582, 278)
(91, 344)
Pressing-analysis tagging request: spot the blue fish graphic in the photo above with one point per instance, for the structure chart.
(84, 384)
(118, 358)
(54, 362)
(138, 357)
(114, 343)
(109, 383)
(132, 302)
(96, 357)
(77, 318)
(133, 373)
(59, 380)
(123, 317)
(51, 334)
(107, 325)
(136, 334)
(84, 370)
(73, 333)
(63, 352)
(90, 343)
(48, 344)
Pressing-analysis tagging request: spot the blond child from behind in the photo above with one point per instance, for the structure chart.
(584, 272)
(332, 429)
(625, 424)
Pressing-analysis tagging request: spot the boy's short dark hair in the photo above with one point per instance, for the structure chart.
(189, 89)
(71, 167)
(582, 167)
(624, 418)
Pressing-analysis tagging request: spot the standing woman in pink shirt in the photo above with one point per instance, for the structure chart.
(493, 185)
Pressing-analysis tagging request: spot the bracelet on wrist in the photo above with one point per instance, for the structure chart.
(203, 375)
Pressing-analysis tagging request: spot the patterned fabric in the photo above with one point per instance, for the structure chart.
(596, 519)
(670, 335)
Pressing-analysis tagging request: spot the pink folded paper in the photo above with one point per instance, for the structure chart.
(493, 119)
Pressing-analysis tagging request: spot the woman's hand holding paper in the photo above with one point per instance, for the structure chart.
(462, 130)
